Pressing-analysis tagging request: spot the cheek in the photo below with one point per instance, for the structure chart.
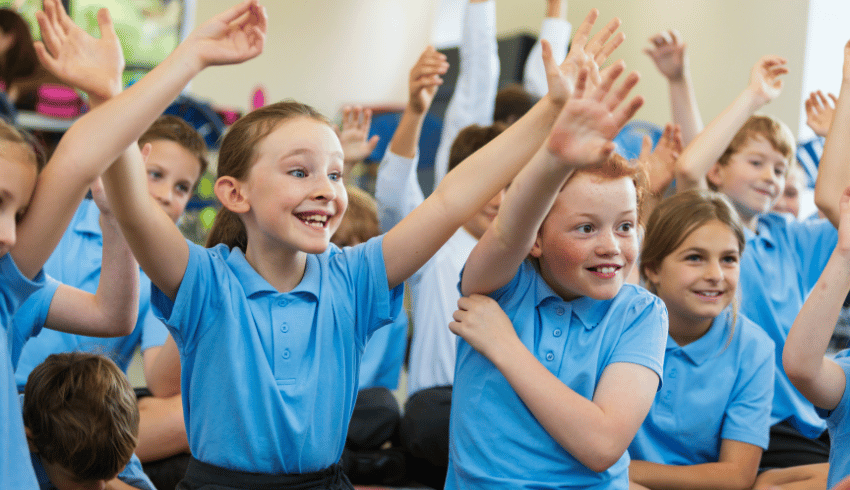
(565, 255)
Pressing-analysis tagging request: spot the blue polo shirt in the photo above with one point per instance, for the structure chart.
(77, 262)
(495, 441)
(269, 379)
(715, 388)
(779, 267)
(15, 470)
(132, 474)
(384, 355)
(35, 308)
(838, 423)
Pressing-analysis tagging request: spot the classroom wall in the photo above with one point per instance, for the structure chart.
(333, 52)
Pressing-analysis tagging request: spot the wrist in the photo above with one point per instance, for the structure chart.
(415, 108)
(752, 99)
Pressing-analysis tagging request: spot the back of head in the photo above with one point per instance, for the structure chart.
(82, 415)
(360, 222)
(20, 60)
(773, 130)
(677, 217)
(31, 150)
(238, 154)
(512, 102)
(173, 128)
(470, 139)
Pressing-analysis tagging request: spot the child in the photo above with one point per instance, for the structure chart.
(283, 315)
(82, 424)
(710, 422)
(547, 393)
(747, 158)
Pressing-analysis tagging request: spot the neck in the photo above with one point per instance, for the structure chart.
(687, 330)
(282, 268)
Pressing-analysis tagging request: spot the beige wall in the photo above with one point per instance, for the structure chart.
(331, 52)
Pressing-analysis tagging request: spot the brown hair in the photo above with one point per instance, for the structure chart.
(238, 154)
(360, 222)
(470, 139)
(32, 149)
(512, 102)
(773, 130)
(173, 128)
(82, 415)
(20, 61)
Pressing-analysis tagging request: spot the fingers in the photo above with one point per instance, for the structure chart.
(104, 23)
(609, 48)
(583, 31)
(600, 47)
(607, 80)
(646, 145)
(625, 113)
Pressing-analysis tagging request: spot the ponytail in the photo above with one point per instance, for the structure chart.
(229, 230)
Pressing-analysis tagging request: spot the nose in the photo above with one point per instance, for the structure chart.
(713, 272)
(7, 234)
(607, 244)
(324, 189)
(161, 191)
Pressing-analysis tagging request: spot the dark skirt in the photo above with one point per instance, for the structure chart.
(200, 475)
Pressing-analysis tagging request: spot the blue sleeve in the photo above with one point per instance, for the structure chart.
(134, 476)
(15, 288)
(30, 317)
(814, 241)
(154, 333)
(747, 418)
(644, 337)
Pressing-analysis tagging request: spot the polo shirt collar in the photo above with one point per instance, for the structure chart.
(765, 235)
(253, 283)
(709, 344)
(589, 311)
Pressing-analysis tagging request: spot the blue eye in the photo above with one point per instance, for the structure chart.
(693, 258)
(155, 174)
(335, 176)
(298, 173)
(731, 259)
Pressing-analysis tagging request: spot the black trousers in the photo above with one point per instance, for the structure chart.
(425, 434)
(204, 476)
(788, 447)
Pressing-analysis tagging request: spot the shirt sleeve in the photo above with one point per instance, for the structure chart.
(397, 190)
(134, 475)
(30, 317)
(644, 338)
(747, 417)
(478, 77)
(814, 241)
(557, 32)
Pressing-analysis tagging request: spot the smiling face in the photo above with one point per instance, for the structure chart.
(16, 188)
(172, 174)
(753, 177)
(698, 279)
(588, 242)
(295, 189)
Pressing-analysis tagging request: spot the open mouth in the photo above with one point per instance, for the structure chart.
(314, 220)
(709, 295)
(605, 271)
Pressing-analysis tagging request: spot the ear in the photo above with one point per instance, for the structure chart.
(536, 249)
(715, 175)
(146, 152)
(228, 190)
(30, 442)
(652, 276)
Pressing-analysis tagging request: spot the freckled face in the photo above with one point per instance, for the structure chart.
(588, 242)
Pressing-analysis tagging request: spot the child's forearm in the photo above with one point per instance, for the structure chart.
(510, 238)
(683, 102)
(834, 168)
(406, 137)
(818, 378)
(162, 369)
(708, 146)
(731, 475)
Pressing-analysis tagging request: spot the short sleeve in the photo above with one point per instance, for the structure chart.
(134, 475)
(644, 337)
(747, 418)
(15, 288)
(814, 241)
(30, 317)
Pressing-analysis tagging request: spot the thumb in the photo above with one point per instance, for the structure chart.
(645, 147)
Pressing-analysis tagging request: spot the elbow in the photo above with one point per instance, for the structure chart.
(795, 368)
(602, 456)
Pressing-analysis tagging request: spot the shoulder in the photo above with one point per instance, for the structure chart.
(637, 299)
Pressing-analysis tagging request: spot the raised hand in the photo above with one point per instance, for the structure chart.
(482, 323)
(819, 112)
(425, 79)
(765, 83)
(592, 117)
(668, 53)
(582, 54)
(354, 136)
(661, 162)
(235, 35)
(92, 65)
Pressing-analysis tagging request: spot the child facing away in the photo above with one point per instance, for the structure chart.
(283, 315)
(33, 217)
(747, 157)
(708, 426)
(541, 384)
(82, 424)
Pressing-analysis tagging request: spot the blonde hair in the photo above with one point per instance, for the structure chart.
(360, 222)
(773, 130)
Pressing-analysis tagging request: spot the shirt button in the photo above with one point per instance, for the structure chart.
(559, 311)
(550, 357)
(285, 354)
(284, 328)
(557, 332)
(282, 302)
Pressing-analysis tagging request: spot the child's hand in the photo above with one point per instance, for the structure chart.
(668, 53)
(425, 79)
(233, 36)
(765, 83)
(480, 321)
(661, 163)
(819, 112)
(92, 65)
(592, 117)
(843, 246)
(562, 79)
(354, 137)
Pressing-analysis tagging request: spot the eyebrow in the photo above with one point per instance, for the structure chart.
(704, 251)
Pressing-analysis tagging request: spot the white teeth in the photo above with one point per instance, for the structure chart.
(710, 293)
(314, 220)
(606, 270)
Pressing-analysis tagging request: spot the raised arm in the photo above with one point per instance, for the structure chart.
(474, 93)
(660, 164)
(817, 377)
(704, 151)
(834, 167)
(458, 197)
(668, 54)
(581, 137)
(556, 31)
(820, 112)
(596, 432)
(112, 310)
